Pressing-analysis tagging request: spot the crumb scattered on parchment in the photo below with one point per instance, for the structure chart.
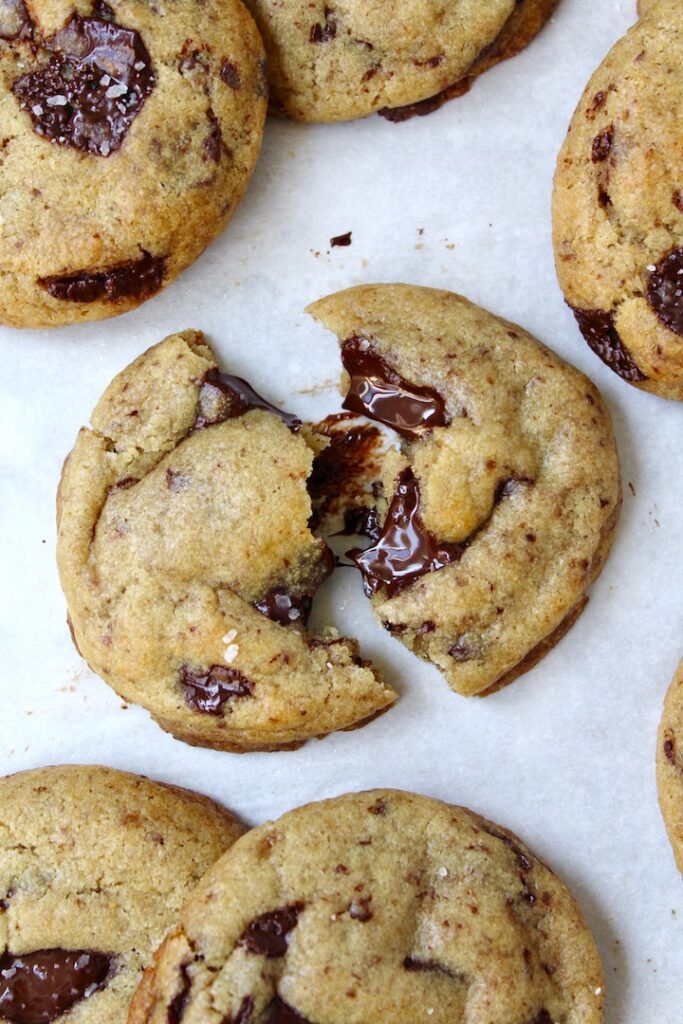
(316, 389)
(631, 488)
(342, 240)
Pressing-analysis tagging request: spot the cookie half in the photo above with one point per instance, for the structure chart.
(670, 765)
(618, 206)
(498, 504)
(188, 564)
(129, 133)
(373, 907)
(95, 865)
(334, 60)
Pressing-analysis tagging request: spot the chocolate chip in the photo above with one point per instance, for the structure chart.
(324, 33)
(406, 550)
(214, 147)
(230, 74)
(379, 392)
(604, 199)
(379, 807)
(359, 910)
(207, 690)
(341, 239)
(223, 397)
(267, 934)
(92, 88)
(602, 145)
(431, 62)
(597, 103)
(465, 650)
(283, 607)
(178, 1005)
(665, 290)
(137, 279)
(597, 327)
(362, 522)
(36, 988)
(670, 750)
(280, 1012)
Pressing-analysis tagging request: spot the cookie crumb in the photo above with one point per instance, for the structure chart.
(341, 239)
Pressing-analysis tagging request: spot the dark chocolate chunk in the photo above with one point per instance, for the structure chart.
(341, 239)
(602, 145)
(363, 522)
(177, 1006)
(214, 147)
(207, 690)
(360, 910)
(677, 199)
(597, 327)
(103, 10)
(406, 550)
(285, 608)
(15, 21)
(670, 750)
(280, 1012)
(341, 469)
(137, 279)
(379, 392)
(36, 988)
(267, 934)
(92, 88)
(665, 290)
(324, 33)
(229, 73)
(224, 397)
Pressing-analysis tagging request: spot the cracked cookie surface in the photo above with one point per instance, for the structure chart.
(340, 59)
(618, 206)
(188, 564)
(499, 507)
(670, 765)
(377, 907)
(129, 133)
(95, 865)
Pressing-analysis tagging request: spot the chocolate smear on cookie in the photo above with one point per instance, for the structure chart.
(379, 392)
(91, 89)
(223, 397)
(406, 549)
(138, 279)
(36, 988)
(597, 327)
(665, 290)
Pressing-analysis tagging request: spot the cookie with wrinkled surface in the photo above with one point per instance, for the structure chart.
(95, 865)
(618, 206)
(336, 60)
(499, 501)
(382, 908)
(670, 765)
(128, 134)
(188, 564)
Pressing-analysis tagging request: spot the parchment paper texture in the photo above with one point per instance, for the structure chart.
(565, 756)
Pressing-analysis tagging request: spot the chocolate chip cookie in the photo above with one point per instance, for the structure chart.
(128, 132)
(670, 765)
(94, 867)
(334, 60)
(498, 504)
(188, 564)
(377, 907)
(618, 206)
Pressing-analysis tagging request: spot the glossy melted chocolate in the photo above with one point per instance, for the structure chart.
(92, 88)
(138, 279)
(208, 690)
(597, 327)
(36, 988)
(379, 392)
(267, 934)
(285, 608)
(665, 290)
(223, 397)
(406, 549)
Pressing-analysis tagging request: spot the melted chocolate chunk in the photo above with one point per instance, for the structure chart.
(379, 392)
(137, 279)
(665, 290)
(224, 397)
(406, 550)
(285, 608)
(280, 1012)
(324, 33)
(363, 522)
(214, 147)
(597, 327)
(208, 690)
(36, 988)
(92, 88)
(177, 1006)
(15, 21)
(229, 73)
(602, 145)
(267, 934)
(341, 469)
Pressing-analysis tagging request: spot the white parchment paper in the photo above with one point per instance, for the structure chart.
(565, 756)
